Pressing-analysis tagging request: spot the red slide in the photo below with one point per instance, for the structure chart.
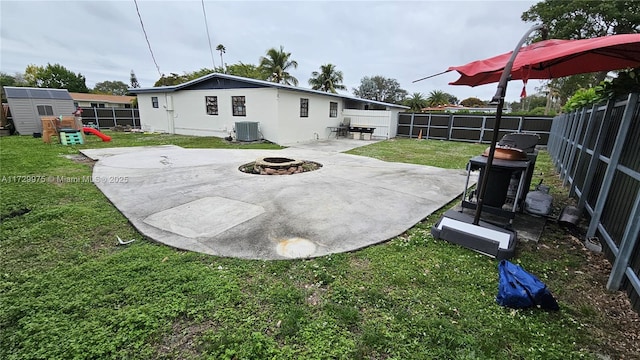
(105, 138)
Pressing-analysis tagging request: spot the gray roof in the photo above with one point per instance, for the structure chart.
(13, 92)
(257, 83)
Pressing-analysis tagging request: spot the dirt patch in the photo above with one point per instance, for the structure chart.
(314, 294)
(613, 326)
(14, 213)
(180, 343)
(81, 159)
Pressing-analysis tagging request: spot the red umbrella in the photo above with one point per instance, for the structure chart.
(543, 60)
(551, 59)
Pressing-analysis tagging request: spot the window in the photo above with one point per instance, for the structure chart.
(127, 106)
(239, 109)
(154, 101)
(94, 105)
(211, 103)
(45, 110)
(304, 107)
(101, 105)
(333, 109)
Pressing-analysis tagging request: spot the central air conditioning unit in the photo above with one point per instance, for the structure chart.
(247, 131)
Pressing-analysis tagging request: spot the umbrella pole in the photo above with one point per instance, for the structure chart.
(499, 97)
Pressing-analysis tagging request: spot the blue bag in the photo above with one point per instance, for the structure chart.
(519, 289)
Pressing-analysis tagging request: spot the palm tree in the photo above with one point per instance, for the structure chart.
(222, 50)
(276, 64)
(416, 102)
(437, 97)
(328, 79)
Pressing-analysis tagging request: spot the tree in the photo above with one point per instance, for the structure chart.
(171, 80)
(438, 97)
(472, 102)
(55, 76)
(222, 50)
(188, 76)
(565, 87)
(379, 88)
(579, 19)
(244, 70)
(111, 87)
(328, 79)
(250, 71)
(529, 102)
(10, 80)
(133, 80)
(276, 64)
(416, 102)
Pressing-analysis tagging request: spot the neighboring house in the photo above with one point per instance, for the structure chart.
(101, 100)
(213, 104)
(29, 104)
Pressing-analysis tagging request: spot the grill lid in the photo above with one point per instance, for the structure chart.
(524, 141)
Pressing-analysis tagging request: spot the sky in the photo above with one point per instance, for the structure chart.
(403, 40)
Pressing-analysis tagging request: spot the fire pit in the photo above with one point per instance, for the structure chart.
(279, 166)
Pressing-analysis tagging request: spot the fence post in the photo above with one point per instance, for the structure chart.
(450, 127)
(95, 114)
(413, 115)
(133, 117)
(561, 141)
(627, 245)
(595, 156)
(520, 123)
(484, 124)
(567, 148)
(627, 117)
(113, 112)
(583, 147)
(551, 143)
(574, 144)
(429, 126)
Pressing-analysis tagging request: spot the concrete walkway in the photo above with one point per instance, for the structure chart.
(198, 200)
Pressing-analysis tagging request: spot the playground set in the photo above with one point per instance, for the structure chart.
(68, 129)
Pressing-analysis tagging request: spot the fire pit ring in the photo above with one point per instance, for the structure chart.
(273, 165)
(277, 162)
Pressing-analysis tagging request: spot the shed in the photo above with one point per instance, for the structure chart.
(29, 104)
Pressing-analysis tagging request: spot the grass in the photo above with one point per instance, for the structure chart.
(67, 290)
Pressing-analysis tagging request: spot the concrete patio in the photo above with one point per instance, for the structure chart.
(198, 200)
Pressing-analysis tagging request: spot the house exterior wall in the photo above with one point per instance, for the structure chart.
(153, 119)
(25, 114)
(184, 112)
(191, 116)
(393, 122)
(277, 111)
(292, 128)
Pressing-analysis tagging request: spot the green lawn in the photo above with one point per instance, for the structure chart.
(68, 291)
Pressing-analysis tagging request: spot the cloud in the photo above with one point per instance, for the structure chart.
(403, 40)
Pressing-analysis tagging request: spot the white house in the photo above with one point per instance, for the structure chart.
(213, 104)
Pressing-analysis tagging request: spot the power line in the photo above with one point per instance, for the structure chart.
(208, 37)
(147, 38)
